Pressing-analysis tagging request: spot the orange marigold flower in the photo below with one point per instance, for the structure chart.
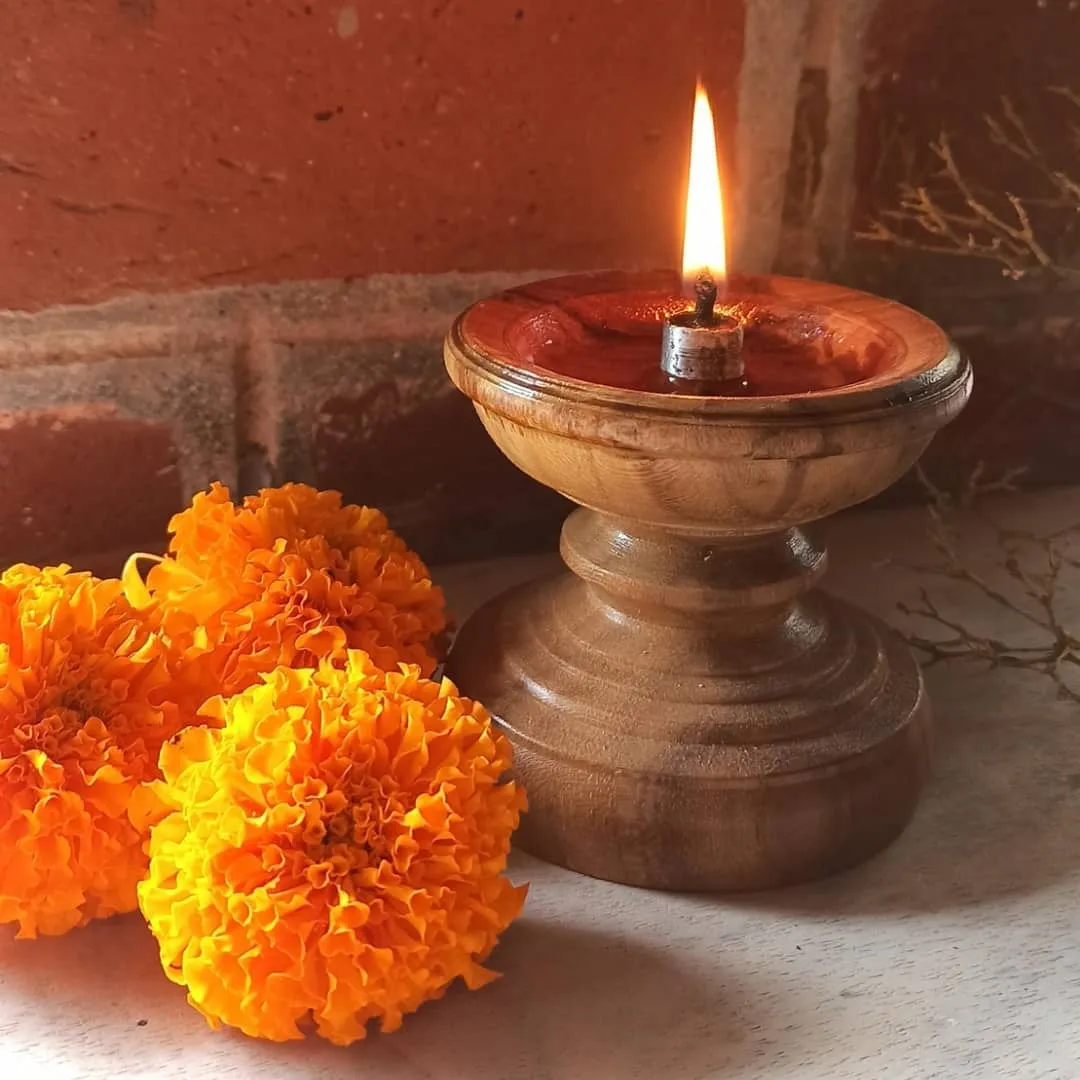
(83, 714)
(334, 853)
(292, 577)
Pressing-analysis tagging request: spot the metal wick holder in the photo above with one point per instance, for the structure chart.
(701, 346)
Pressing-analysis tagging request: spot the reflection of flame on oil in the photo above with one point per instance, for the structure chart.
(704, 248)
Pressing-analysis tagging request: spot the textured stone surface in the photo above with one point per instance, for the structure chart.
(162, 145)
(359, 401)
(954, 954)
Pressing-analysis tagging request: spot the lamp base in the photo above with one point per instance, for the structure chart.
(689, 713)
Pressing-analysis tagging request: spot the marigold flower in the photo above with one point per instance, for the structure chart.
(292, 577)
(83, 714)
(333, 853)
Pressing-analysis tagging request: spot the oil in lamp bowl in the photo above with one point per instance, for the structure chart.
(687, 710)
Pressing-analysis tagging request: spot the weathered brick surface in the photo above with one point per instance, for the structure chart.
(363, 405)
(111, 417)
(84, 484)
(158, 146)
(425, 458)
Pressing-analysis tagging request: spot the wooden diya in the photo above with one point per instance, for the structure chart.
(687, 709)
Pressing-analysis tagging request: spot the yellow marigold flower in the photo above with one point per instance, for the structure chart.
(292, 577)
(83, 714)
(333, 853)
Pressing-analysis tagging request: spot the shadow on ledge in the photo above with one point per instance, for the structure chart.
(576, 1003)
(571, 1002)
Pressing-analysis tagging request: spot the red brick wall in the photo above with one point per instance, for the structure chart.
(161, 144)
(161, 151)
(111, 416)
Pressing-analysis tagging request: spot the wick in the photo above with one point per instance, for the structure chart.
(705, 291)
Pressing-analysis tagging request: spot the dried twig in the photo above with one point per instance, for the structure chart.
(948, 216)
(1034, 564)
(1035, 232)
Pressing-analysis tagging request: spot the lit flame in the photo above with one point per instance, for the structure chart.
(703, 239)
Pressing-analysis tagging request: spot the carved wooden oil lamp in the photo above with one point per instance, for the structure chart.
(687, 709)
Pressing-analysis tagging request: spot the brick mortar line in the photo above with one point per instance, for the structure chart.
(256, 387)
(390, 307)
(107, 343)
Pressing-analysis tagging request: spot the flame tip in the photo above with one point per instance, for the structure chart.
(704, 242)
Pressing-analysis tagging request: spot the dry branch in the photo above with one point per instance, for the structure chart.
(947, 215)
(1034, 563)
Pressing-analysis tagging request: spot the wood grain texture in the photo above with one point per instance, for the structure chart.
(687, 710)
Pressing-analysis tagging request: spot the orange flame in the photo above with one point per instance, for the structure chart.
(704, 247)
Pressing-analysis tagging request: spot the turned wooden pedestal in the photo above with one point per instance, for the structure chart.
(687, 709)
(688, 713)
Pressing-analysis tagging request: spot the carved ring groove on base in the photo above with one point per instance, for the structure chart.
(677, 729)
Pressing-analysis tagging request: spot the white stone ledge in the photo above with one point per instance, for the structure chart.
(955, 954)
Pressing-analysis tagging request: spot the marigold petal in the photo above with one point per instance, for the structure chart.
(289, 576)
(85, 704)
(138, 595)
(322, 864)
